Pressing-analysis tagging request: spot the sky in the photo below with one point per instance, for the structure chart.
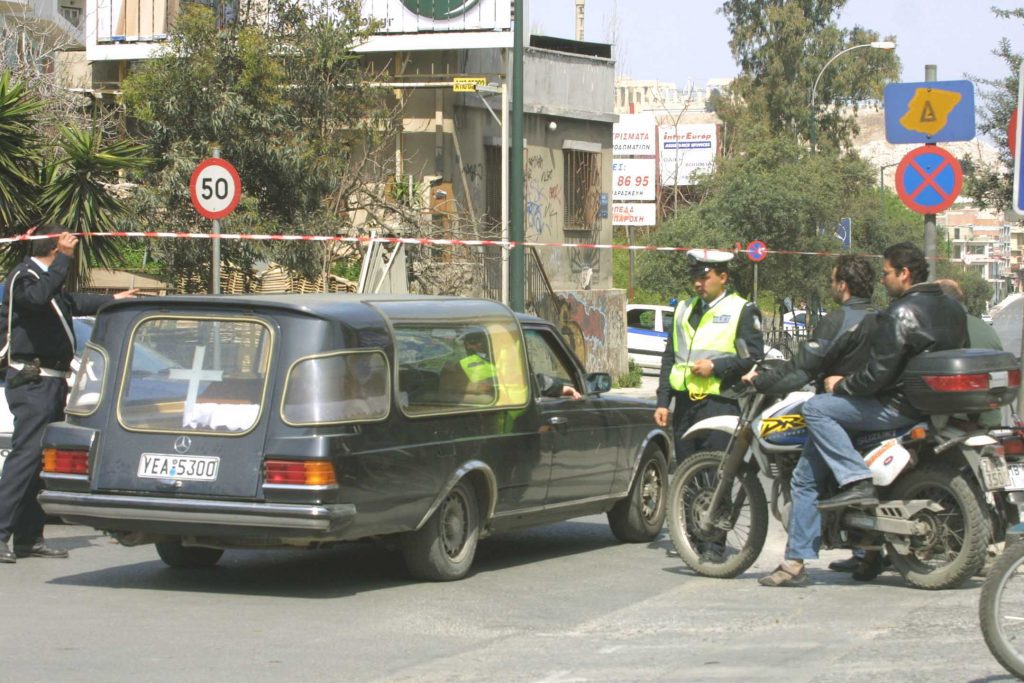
(686, 42)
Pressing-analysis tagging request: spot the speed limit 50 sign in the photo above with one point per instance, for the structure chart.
(215, 188)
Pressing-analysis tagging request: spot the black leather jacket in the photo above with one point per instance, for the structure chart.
(838, 346)
(922, 319)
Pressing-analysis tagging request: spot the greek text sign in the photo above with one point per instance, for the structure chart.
(635, 213)
(633, 179)
(686, 149)
(634, 135)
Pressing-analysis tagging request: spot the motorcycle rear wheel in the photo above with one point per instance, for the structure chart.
(954, 550)
(742, 520)
(1001, 609)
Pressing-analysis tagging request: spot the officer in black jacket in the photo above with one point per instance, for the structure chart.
(38, 313)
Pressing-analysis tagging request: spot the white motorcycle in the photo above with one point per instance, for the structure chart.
(933, 518)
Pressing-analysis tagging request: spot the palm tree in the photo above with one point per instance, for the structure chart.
(75, 192)
(19, 156)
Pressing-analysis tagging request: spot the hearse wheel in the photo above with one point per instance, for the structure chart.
(443, 548)
(639, 517)
(176, 555)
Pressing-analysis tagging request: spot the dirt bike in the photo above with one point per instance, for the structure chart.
(933, 477)
(1001, 608)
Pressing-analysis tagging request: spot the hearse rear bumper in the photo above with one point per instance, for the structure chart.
(106, 511)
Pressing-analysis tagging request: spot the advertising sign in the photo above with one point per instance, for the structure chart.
(633, 179)
(438, 24)
(685, 149)
(634, 135)
(635, 214)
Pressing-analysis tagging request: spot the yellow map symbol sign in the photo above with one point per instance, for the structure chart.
(928, 110)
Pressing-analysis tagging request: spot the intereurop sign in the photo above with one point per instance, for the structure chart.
(686, 149)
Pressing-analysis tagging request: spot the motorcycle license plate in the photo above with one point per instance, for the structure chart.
(994, 474)
(178, 467)
(1016, 476)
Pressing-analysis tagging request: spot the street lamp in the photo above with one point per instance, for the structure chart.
(878, 45)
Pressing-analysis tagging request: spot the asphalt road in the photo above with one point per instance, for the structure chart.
(559, 603)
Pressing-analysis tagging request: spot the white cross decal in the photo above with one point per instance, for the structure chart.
(195, 375)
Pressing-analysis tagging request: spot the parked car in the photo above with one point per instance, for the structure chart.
(987, 317)
(648, 327)
(214, 422)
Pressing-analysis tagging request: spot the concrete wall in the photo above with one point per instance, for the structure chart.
(594, 324)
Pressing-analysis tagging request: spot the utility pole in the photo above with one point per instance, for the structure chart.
(517, 233)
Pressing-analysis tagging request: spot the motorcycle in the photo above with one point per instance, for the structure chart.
(938, 480)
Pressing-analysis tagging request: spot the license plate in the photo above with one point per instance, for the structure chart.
(1016, 473)
(178, 467)
(994, 474)
(999, 379)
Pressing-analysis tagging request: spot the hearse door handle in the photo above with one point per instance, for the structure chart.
(558, 420)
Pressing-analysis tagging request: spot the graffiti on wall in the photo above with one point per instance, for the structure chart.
(543, 193)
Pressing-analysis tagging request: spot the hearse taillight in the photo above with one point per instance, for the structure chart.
(61, 461)
(299, 473)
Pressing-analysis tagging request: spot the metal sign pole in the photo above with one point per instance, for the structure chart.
(215, 284)
(930, 72)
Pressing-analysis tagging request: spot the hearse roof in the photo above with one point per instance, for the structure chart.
(329, 306)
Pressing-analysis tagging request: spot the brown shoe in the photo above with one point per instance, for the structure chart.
(784, 578)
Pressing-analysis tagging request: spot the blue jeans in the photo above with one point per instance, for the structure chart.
(829, 451)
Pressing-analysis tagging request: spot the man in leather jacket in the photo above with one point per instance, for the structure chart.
(919, 318)
(832, 349)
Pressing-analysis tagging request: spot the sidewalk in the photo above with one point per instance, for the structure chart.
(647, 389)
(1006, 302)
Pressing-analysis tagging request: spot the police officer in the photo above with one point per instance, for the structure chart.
(38, 314)
(701, 355)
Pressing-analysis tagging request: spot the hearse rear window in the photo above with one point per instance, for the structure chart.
(341, 387)
(201, 374)
(459, 367)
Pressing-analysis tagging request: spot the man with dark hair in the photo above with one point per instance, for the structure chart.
(36, 316)
(701, 355)
(831, 350)
(919, 318)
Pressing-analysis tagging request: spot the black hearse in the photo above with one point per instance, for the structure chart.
(200, 423)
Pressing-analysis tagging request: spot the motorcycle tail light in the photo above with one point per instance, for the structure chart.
(61, 461)
(1012, 445)
(976, 382)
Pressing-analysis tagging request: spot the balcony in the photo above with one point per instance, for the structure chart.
(51, 17)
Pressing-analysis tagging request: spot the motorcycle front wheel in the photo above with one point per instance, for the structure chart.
(738, 526)
(955, 543)
(1001, 609)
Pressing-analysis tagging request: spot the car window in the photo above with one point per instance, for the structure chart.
(343, 387)
(459, 367)
(546, 358)
(642, 318)
(666, 320)
(201, 374)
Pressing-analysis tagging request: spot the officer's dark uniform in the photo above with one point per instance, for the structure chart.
(727, 367)
(36, 333)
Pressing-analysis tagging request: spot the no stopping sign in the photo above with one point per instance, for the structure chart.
(215, 188)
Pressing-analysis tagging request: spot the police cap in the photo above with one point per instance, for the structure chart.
(703, 261)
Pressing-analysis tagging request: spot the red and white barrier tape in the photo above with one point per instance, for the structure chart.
(420, 241)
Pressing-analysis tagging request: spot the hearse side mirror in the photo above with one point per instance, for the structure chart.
(598, 382)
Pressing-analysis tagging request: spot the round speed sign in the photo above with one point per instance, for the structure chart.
(215, 188)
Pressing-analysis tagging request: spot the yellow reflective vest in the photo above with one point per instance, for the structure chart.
(476, 368)
(714, 337)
